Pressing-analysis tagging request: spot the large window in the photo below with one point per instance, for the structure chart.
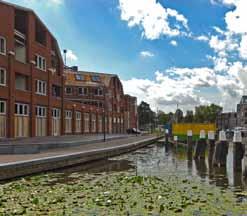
(40, 62)
(68, 90)
(40, 111)
(82, 91)
(40, 87)
(98, 92)
(2, 107)
(21, 109)
(56, 91)
(56, 113)
(2, 45)
(68, 114)
(21, 82)
(2, 77)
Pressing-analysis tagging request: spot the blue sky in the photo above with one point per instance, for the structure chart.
(166, 52)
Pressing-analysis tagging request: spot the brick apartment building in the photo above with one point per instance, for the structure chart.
(33, 97)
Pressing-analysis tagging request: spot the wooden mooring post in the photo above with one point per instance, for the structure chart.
(201, 146)
(189, 142)
(221, 150)
(211, 146)
(238, 151)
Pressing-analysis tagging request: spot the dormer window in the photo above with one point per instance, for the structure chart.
(95, 78)
(79, 77)
(40, 33)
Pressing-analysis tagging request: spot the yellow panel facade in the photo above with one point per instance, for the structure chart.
(182, 128)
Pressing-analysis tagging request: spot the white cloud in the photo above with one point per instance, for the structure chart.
(174, 43)
(153, 18)
(202, 38)
(189, 87)
(243, 47)
(236, 19)
(71, 56)
(146, 54)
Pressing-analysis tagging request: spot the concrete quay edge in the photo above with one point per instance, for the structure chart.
(28, 167)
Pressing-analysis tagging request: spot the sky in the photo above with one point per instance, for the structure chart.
(166, 52)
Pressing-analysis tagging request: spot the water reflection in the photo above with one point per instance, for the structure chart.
(160, 160)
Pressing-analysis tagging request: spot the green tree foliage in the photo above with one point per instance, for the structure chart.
(146, 116)
(207, 114)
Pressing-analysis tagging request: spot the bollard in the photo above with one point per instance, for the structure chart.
(211, 146)
(245, 163)
(238, 151)
(175, 138)
(167, 137)
(189, 142)
(200, 146)
(221, 150)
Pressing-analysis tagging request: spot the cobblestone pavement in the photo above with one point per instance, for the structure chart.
(86, 147)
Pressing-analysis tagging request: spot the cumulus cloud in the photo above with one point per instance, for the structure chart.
(174, 43)
(71, 56)
(146, 54)
(153, 18)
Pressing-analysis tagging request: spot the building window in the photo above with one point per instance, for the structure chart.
(56, 91)
(95, 78)
(68, 90)
(82, 91)
(21, 82)
(2, 45)
(21, 109)
(78, 116)
(40, 111)
(68, 114)
(40, 33)
(40, 87)
(56, 113)
(2, 77)
(98, 92)
(79, 77)
(40, 62)
(2, 107)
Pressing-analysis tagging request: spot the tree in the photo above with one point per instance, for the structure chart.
(189, 117)
(163, 118)
(146, 116)
(207, 114)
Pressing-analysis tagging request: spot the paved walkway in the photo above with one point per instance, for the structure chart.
(58, 152)
(64, 139)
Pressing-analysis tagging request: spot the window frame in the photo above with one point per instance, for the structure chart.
(78, 115)
(5, 76)
(42, 110)
(68, 114)
(40, 62)
(57, 113)
(4, 106)
(25, 109)
(4, 45)
(71, 92)
(43, 87)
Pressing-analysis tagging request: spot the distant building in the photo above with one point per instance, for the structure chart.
(242, 112)
(226, 121)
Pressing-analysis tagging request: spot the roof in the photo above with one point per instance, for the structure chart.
(104, 78)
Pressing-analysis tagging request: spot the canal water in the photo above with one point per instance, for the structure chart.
(158, 160)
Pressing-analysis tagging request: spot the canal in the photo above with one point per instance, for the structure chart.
(150, 181)
(156, 160)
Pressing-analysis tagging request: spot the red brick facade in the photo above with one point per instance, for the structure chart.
(33, 98)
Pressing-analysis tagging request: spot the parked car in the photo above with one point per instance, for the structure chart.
(133, 131)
